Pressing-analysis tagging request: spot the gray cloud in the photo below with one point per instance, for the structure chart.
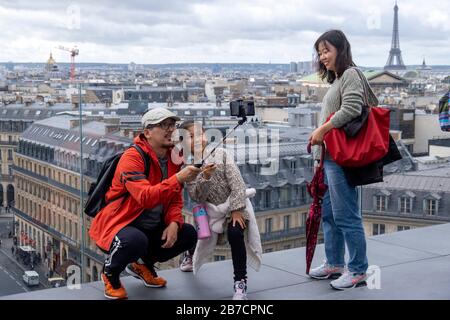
(223, 31)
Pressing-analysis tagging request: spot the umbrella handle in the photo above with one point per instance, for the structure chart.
(322, 154)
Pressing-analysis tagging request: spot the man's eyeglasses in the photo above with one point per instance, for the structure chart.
(163, 125)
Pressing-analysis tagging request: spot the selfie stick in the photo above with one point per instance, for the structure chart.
(241, 122)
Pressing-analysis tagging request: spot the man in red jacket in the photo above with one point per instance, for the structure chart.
(145, 226)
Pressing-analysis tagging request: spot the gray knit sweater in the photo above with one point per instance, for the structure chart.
(345, 97)
(225, 182)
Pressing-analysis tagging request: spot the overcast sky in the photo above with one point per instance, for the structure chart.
(254, 31)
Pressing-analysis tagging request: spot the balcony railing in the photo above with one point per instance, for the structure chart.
(52, 182)
(46, 228)
(273, 205)
(9, 143)
(75, 244)
(6, 177)
(412, 215)
(283, 234)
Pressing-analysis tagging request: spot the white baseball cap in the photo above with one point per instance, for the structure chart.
(157, 115)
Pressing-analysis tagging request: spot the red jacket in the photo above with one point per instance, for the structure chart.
(146, 193)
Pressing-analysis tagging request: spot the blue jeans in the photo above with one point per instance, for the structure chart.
(342, 222)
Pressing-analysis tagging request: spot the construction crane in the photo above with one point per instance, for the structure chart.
(73, 52)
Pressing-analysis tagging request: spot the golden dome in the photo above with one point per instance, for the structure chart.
(51, 60)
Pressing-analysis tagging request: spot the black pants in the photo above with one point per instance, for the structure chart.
(238, 252)
(132, 243)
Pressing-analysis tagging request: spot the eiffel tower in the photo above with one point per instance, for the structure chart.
(395, 61)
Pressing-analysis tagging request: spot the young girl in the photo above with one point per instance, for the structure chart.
(341, 218)
(221, 182)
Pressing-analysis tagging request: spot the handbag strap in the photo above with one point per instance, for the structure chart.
(365, 84)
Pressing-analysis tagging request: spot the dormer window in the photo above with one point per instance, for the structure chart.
(431, 204)
(381, 200)
(405, 202)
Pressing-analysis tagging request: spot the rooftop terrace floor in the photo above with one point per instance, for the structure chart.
(414, 264)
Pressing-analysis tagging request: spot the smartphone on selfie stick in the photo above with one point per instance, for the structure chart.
(240, 108)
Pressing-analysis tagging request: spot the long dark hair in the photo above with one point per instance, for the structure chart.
(344, 54)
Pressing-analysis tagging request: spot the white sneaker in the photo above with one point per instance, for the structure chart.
(349, 280)
(240, 290)
(186, 265)
(326, 271)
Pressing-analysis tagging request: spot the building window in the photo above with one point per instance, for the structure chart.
(284, 197)
(75, 235)
(287, 222)
(381, 203)
(293, 167)
(219, 258)
(303, 193)
(10, 154)
(266, 199)
(405, 205)
(402, 228)
(378, 229)
(304, 216)
(268, 226)
(430, 207)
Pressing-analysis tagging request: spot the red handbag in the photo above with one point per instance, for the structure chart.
(368, 146)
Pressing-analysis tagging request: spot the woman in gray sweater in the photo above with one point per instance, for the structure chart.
(341, 218)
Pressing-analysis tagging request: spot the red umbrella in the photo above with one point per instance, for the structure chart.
(316, 189)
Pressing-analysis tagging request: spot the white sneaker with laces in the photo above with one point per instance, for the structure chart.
(326, 271)
(349, 280)
(240, 290)
(186, 265)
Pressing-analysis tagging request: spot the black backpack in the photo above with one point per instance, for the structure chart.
(97, 191)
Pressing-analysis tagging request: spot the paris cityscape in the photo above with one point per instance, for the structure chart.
(67, 104)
